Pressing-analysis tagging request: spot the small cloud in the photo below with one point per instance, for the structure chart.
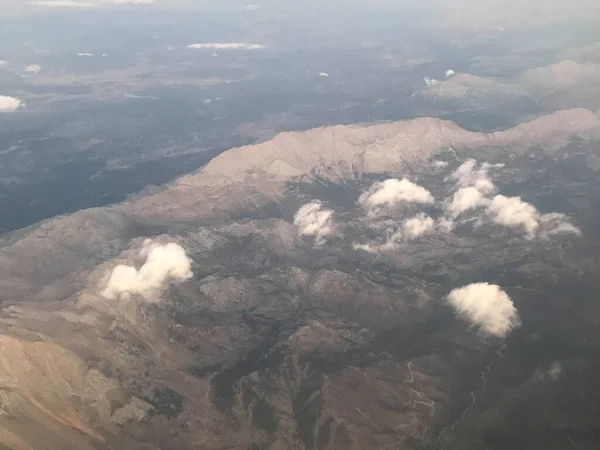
(165, 264)
(554, 224)
(418, 226)
(314, 220)
(227, 46)
(430, 82)
(555, 371)
(513, 212)
(105, 55)
(465, 199)
(34, 69)
(367, 248)
(323, 74)
(440, 164)
(9, 104)
(252, 7)
(552, 373)
(445, 224)
(471, 174)
(450, 73)
(2, 62)
(412, 228)
(391, 192)
(487, 307)
(392, 243)
(85, 54)
(474, 184)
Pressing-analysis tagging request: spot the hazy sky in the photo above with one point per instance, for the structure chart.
(452, 14)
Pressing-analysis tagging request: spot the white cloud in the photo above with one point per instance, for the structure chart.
(368, 248)
(473, 183)
(85, 54)
(465, 199)
(33, 68)
(552, 373)
(391, 192)
(412, 228)
(227, 46)
(323, 74)
(252, 7)
(557, 224)
(513, 212)
(418, 226)
(474, 187)
(164, 264)
(470, 174)
(487, 307)
(9, 104)
(2, 62)
(450, 73)
(392, 242)
(445, 224)
(314, 220)
(430, 82)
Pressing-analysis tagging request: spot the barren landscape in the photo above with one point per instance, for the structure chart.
(396, 256)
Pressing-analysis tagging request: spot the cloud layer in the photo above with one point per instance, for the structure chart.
(164, 264)
(314, 220)
(487, 307)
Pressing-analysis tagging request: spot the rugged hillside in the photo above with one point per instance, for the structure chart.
(280, 342)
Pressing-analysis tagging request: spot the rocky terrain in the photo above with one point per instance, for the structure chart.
(274, 340)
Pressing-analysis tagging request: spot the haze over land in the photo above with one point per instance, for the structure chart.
(317, 225)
